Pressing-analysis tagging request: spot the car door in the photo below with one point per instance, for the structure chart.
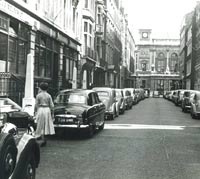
(193, 102)
(94, 109)
(101, 110)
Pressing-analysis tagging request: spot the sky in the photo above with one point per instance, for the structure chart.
(164, 17)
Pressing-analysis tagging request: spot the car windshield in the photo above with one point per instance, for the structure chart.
(7, 105)
(70, 98)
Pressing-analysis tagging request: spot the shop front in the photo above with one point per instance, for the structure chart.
(55, 53)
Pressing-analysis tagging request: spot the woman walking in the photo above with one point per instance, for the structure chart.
(44, 110)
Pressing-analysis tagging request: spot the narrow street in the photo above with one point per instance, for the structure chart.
(153, 140)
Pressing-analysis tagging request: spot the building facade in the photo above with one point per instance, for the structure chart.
(157, 63)
(88, 54)
(196, 47)
(189, 49)
(186, 52)
(46, 29)
(100, 28)
(112, 49)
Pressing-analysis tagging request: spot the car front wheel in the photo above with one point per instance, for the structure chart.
(8, 154)
(192, 114)
(90, 131)
(29, 171)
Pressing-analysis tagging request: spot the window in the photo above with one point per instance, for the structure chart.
(22, 53)
(4, 23)
(99, 47)
(99, 16)
(90, 29)
(173, 63)
(188, 67)
(160, 65)
(90, 100)
(85, 26)
(97, 98)
(48, 64)
(42, 62)
(161, 62)
(12, 60)
(44, 56)
(88, 38)
(144, 66)
(86, 3)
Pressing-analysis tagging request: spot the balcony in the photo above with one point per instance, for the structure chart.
(90, 53)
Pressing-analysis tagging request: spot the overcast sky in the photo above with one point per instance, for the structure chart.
(164, 17)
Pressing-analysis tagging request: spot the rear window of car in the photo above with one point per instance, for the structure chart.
(102, 93)
(118, 94)
(187, 93)
(71, 98)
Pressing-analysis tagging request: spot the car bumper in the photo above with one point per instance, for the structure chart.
(187, 107)
(71, 126)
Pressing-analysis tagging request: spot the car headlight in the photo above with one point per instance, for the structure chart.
(10, 129)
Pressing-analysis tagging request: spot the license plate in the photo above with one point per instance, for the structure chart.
(63, 120)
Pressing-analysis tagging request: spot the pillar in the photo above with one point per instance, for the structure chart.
(167, 67)
(28, 102)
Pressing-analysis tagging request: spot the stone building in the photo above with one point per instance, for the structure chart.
(157, 62)
(112, 45)
(185, 62)
(127, 66)
(88, 53)
(189, 50)
(196, 47)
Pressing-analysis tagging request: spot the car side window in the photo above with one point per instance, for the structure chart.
(89, 99)
(195, 97)
(97, 98)
(92, 100)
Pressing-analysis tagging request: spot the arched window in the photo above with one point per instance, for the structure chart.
(174, 62)
(161, 62)
(144, 66)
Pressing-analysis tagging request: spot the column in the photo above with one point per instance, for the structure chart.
(154, 60)
(28, 102)
(167, 67)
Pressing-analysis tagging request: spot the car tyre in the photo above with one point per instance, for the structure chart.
(192, 114)
(30, 169)
(8, 155)
(102, 126)
(90, 131)
(112, 117)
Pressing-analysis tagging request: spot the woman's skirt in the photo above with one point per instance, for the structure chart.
(44, 122)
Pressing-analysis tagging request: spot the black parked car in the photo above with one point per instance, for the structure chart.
(80, 109)
(19, 151)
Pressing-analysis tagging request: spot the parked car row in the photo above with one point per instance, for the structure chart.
(188, 100)
(88, 109)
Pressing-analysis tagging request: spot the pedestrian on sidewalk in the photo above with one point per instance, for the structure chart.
(44, 112)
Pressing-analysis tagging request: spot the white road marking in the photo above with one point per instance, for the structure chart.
(143, 126)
